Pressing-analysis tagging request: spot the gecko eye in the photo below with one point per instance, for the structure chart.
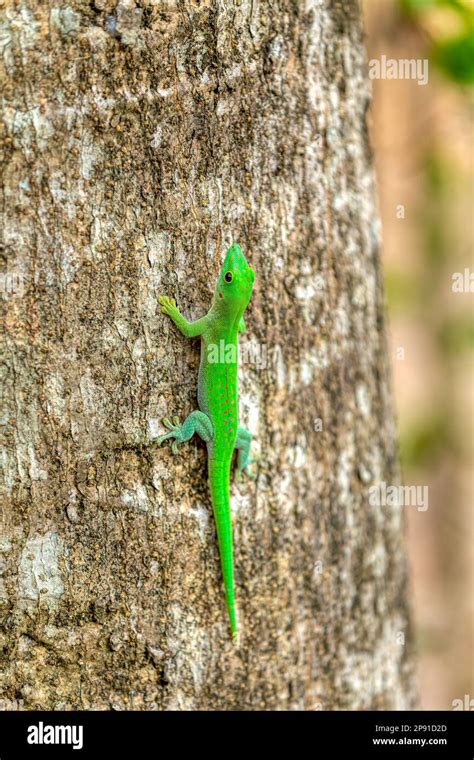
(228, 277)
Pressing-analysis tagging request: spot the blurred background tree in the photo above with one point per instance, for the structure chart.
(140, 143)
(422, 137)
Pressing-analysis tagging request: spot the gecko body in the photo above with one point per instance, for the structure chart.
(216, 420)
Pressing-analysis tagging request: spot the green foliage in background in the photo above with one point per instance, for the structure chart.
(456, 336)
(425, 441)
(453, 54)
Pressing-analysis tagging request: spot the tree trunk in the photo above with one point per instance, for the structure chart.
(142, 138)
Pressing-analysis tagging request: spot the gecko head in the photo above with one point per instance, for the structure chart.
(235, 283)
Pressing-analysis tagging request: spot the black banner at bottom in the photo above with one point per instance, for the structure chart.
(98, 734)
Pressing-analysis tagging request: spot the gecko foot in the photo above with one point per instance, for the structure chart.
(168, 306)
(175, 432)
(250, 474)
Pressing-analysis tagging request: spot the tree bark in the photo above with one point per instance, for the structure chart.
(141, 139)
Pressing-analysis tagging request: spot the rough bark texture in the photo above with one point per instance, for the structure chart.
(141, 139)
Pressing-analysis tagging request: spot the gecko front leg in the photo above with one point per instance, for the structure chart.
(189, 329)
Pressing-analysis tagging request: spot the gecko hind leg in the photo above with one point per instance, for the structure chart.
(196, 422)
(244, 459)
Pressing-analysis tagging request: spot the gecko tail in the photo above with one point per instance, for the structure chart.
(233, 621)
(219, 473)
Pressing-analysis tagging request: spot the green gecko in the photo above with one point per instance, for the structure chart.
(217, 419)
